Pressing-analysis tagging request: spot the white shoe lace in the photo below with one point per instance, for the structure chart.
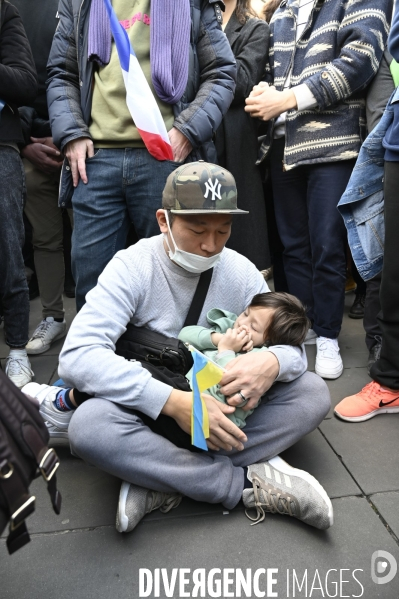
(164, 501)
(328, 347)
(41, 330)
(268, 500)
(16, 366)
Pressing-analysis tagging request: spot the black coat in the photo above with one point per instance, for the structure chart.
(237, 140)
(18, 83)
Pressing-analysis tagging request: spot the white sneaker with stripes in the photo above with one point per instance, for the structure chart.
(279, 488)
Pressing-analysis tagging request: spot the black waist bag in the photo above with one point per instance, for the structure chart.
(154, 348)
(168, 360)
(24, 455)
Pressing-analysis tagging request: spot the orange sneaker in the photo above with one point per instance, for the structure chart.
(370, 401)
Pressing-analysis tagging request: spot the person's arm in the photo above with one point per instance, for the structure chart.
(63, 89)
(251, 61)
(199, 337)
(18, 81)
(88, 360)
(362, 42)
(292, 361)
(40, 151)
(217, 74)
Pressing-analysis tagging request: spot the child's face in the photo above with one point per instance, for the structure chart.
(256, 321)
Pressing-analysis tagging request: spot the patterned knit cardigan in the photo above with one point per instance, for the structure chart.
(337, 55)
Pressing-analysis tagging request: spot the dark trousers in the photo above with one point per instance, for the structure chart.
(313, 235)
(372, 306)
(14, 294)
(386, 370)
(371, 310)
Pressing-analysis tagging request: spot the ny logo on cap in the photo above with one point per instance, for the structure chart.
(214, 188)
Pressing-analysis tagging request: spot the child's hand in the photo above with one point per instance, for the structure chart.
(250, 344)
(234, 340)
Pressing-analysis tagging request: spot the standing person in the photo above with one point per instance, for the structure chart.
(109, 172)
(381, 396)
(18, 86)
(377, 97)
(362, 205)
(237, 137)
(116, 430)
(322, 57)
(42, 164)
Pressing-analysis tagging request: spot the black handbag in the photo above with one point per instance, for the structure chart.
(144, 345)
(24, 455)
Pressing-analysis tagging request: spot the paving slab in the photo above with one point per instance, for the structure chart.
(101, 564)
(89, 497)
(368, 449)
(314, 455)
(388, 506)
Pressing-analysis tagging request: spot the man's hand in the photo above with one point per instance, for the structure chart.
(181, 147)
(224, 434)
(43, 154)
(265, 102)
(76, 151)
(252, 374)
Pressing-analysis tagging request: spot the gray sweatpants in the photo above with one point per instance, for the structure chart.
(115, 439)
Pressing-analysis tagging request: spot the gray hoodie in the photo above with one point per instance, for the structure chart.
(143, 286)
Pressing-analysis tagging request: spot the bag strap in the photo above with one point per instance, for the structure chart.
(198, 300)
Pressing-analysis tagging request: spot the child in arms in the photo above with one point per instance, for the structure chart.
(270, 319)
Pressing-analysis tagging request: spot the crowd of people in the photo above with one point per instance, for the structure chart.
(289, 107)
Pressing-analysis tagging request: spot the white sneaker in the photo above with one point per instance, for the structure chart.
(46, 332)
(135, 502)
(278, 488)
(310, 338)
(18, 368)
(328, 359)
(57, 421)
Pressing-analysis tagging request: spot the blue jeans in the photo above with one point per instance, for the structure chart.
(124, 186)
(14, 294)
(314, 235)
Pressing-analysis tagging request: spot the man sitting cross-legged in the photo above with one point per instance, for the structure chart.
(151, 284)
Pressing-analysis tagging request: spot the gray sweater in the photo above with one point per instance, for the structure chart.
(143, 286)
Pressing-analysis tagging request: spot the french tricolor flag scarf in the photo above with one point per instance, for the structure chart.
(139, 97)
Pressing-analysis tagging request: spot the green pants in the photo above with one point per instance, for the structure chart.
(45, 217)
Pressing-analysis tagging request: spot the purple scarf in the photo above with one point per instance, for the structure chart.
(169, 47)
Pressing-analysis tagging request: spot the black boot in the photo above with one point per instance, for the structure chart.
(357, 309)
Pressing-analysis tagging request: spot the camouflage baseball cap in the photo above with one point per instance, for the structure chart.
(200, 188)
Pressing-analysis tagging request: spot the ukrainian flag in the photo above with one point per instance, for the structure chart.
(205, 374)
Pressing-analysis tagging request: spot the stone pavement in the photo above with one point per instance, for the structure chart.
(79, 555)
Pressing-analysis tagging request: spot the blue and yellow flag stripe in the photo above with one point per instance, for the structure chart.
(205, 374)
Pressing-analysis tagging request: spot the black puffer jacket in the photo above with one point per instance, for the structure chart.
(209, 92)
(18, 83)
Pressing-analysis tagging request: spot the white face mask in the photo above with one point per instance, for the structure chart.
(191, 262)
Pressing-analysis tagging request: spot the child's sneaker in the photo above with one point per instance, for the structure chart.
(370, 401)
(57, 422)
